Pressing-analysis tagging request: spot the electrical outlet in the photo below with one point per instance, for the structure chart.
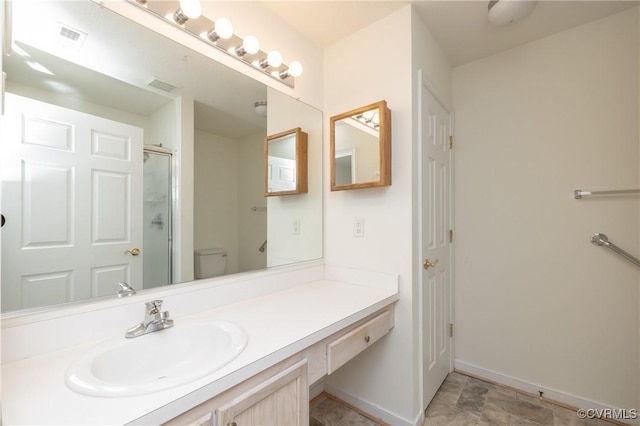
(358, 227)
(296, 226)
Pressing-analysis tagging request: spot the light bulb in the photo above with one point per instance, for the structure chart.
(191, 8)
(251, 44)
(274, 58)
(224, 28)
(368, 115)
(295, 69)
(376, 118)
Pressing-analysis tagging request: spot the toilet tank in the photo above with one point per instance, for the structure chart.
(210, 262)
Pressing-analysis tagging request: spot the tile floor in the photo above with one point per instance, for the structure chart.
(463, 401)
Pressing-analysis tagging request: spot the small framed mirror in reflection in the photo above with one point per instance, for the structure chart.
(285, 163)
(361, 148)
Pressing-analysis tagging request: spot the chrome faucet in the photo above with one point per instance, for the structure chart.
(154, 320)
(125, 290)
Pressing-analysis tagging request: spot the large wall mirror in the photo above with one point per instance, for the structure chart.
(361, 148)
(126, 157)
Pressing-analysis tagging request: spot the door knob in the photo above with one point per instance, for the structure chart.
(133, 252)
(428, 264)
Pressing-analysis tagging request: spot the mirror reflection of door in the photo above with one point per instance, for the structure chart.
(71, 185)
(345, 167)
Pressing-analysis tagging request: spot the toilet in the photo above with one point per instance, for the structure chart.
(210, 262)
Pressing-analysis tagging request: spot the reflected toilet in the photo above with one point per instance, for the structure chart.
(209, 262)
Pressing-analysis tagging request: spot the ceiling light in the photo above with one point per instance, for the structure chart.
(261, 108)
(507, 12)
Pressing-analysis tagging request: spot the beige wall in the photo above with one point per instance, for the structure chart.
(535, 301)
(216, 195)
(286, 246)
(228, 182)
(385, 379)
(252, 225)
(354, 80)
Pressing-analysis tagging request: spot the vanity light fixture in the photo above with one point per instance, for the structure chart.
(222, 30)
(219, 34)
(369, 118)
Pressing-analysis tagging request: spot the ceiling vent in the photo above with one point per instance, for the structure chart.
(163, 85)
(68, 37)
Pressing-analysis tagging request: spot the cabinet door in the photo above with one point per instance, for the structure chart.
(282, 399)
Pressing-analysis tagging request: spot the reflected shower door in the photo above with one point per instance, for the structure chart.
(157, 209)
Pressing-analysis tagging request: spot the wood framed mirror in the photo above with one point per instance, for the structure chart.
(361, 148)
(285, 163)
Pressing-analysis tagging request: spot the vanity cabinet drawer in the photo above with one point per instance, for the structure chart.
(351, 344)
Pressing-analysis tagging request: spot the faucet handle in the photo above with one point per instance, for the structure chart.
(154, 307)
(125, 290)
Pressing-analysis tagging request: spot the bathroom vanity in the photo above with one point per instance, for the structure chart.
(280, 394)
(306, 323)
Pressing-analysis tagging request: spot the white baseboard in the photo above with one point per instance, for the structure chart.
(372, 409)
(316, 389)
(553, 395)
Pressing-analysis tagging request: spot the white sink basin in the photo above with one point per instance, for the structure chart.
(156, 361)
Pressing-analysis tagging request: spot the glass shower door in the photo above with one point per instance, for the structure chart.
(157, 217)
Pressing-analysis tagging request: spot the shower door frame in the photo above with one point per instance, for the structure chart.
(172, 201)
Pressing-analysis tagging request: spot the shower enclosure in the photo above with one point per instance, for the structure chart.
(157, 216)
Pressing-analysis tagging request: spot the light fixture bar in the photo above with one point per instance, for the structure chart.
(219, 34)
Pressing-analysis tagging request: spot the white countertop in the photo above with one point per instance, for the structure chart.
(279, 325)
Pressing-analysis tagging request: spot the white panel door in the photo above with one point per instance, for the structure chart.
(72, 199)
(435, 246)
(281, 174)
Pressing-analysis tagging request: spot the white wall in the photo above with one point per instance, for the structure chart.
(252, 224)
(284, 245)
(228, 182)
(535, 301)
(386, 376)
(216, 195)
(184, 158)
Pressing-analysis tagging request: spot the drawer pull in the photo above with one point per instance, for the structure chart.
(367, 338)
(232, 424)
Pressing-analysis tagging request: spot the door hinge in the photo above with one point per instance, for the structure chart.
(450, 330)
(450, 142)
(450, 235)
